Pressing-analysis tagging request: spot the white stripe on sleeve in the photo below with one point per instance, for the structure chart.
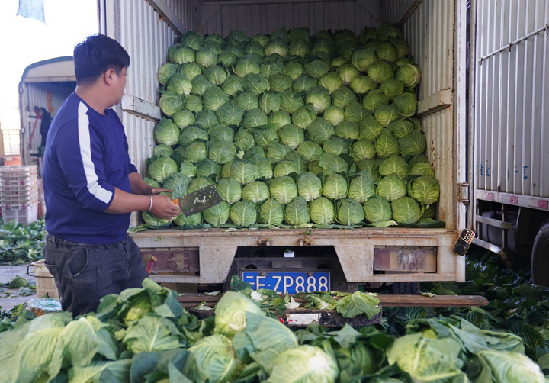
(85, 151)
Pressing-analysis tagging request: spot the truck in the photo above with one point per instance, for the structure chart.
(444, 42)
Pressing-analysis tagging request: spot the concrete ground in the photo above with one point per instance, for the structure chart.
(7, 273)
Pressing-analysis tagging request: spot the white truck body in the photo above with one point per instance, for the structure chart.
(436, 31)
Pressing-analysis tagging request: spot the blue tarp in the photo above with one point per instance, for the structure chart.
(33, 9)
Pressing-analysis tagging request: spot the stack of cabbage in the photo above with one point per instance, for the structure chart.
(295, 130)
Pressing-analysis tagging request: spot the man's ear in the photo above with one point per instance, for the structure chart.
(108, 75)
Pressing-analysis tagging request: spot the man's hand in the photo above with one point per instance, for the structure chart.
(163, 207)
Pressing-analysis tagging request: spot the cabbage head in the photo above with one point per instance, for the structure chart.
(232, 85)
(332, 163)
(303, 116)
(409, 74)
(214, 359)
(229, 113)
(276, 151)
(246, 65)
(508, 366)
(283, 189)
(330, 81)
(198, 183)
(230, 313)
(226, 58)
(229, 189)
(244, 139)
(421, 169)
(269, 102)
(293, 69)
(160, 168)
(254, 118)
(386, 51)
(183, 118)
(247, 101)
(406, 211)
(362, 186)
(347, 129)
(192, 134)
(214, 98)
(392, 88)
(391, 188)
(394, 165)
(154, 221)
(290, 101)
(401, 127)
(166, 71)
(304, 83)
(310, 150)
(354, 111)
(254, 154)
(319, 130)
(384, 114)
(380, 71)
(177, 182)
(221, 152)
(336, 145)
(206, 119)
(316, 68)
(265, 135)
(297, 212)
(216, 74)
(284, 168)
(374, 99)
(217, 215)
(322, 211)
(335, 187)
(166, 132)
(426, 356)
(362, 84)
(334, 115)
(363, 58)
(196, 152)
(386, 144)
(187, 168)
(192, 39)
(299, 48)
(309, 186)
(271, 212)
(276, 46)
(363, 149)
(349, 212)
(343, 96)
(291, 135)
(319, 98)
(243, 213)
(298, 160)
(180, 84)
(255, 83)
(206, 57)
(347, 72)
(424, 189)
(221, 132)
(170, 103)
(280, 82)
(243, 172)
(413, 143)
(193, 103)
(256, 192)
(405, 104)
(369, 128)
(191, 70)
(200, 85)
(191, 221)
(377, 209)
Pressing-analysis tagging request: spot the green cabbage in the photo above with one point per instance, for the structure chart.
(283, 189)
(160, 168)
(335, 187)
(271, 212)
(334, 115)
(183, 118)
(269, 102)
(405, 104)
(409, 74)
(221, 151)
(247, 101)
(170, 103)
(218, 214)
(243, 172)
(377, 209)
(256, 192)
(394, 165)
(255, 83)
(391, 188)
(349, 212)
(214, 359)
(230, 114)
(196, 152)
(319, 130)
(331, 81)
(336, 145)
(347, 129)
(406, 211)
(180, 84)
(322, 211)
(310, 150)
(297, 212)
(309, 186)
(230, 313)
(319, 98)
(343, 96)
(291, 135)
(214, 98)
(380, 71)
(162, 150)
(232, 85)
(200, 85)
(191, 70)
(243, 213)
(424, 189)
(332, 163)
(166, 132)
(362, 187)
(229, 189)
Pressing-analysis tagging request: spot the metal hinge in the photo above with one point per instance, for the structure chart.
(463, 192)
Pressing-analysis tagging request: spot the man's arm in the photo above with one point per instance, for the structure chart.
(124, 202)
(138, 185)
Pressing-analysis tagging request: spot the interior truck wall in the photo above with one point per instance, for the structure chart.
(435, 30)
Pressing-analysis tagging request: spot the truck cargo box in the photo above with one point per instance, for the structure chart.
(436, 32)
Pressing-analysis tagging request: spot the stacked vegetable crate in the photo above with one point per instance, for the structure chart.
(19, 193)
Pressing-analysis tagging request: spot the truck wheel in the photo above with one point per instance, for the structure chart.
(540, 257)
(406, 288)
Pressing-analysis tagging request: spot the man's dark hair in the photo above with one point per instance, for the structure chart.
(96, 54)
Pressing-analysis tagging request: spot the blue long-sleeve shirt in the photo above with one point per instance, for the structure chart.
(86, 157)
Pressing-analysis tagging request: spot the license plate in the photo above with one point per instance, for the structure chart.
(288, 282)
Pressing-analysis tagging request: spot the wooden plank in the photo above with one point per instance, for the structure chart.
(385, 300)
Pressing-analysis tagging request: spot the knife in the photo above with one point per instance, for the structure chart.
(199, 200)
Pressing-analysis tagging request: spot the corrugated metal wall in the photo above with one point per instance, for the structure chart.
(221, 18)
(512, 97)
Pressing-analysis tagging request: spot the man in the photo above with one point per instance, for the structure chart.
(91, 187)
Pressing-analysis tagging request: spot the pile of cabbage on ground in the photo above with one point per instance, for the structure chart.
(145, 335)
(294, 130)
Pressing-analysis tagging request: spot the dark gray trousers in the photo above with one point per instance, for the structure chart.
(84, 273)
